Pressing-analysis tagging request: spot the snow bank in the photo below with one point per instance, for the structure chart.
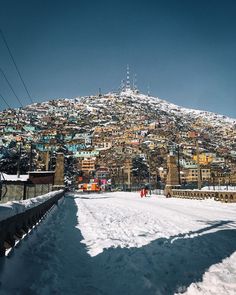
(15, 207)
(220, 279)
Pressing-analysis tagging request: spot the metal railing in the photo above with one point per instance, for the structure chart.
(15, 227)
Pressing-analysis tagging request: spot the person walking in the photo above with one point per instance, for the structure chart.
(145, 191)
(141, 192)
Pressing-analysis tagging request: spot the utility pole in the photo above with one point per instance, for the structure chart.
(0, 186)
(18, 163)
(178, 164)
(31, 157)
(149, 170)
(47, 160)
(128, 167)
(199, 181)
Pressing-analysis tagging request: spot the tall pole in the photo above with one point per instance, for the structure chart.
(18, 163)
(100, 92)
(47, 160)
(178, 164)
(31, 157)
(0, 186)
(129, 176)
(199, 182)
(127, 79)
(149, 171)
(122, 171)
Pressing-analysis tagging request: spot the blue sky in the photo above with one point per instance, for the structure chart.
(184, 49)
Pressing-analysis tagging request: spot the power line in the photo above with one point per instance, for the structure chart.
(9, 84)
(4, 100)
(17, 69)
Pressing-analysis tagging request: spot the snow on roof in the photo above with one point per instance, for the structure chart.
(8, 177)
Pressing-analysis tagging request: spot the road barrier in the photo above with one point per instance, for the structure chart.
(223, 196)
(16, 227)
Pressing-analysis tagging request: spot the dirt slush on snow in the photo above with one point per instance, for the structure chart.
(119, 243)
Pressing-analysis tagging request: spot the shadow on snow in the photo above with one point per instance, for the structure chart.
(163, 267)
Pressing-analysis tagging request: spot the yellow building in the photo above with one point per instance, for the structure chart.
(191, 175)
(203, 159)
(88, 164)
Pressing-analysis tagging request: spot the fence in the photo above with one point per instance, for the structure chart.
(223, 196)
(14, 228)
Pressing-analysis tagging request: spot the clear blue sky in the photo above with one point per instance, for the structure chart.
(184, 49)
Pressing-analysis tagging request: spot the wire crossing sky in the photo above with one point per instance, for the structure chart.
(182, 51)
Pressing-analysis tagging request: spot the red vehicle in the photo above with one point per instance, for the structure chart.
(89, 187)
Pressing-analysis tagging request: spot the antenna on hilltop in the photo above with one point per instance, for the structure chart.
(135, 86)
(127, 79)
(122, 85)
(148, 88)
(100, 92)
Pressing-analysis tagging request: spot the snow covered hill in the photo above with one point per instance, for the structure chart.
(94, 103)
(128, 122)
(118, 243)
(166, 106)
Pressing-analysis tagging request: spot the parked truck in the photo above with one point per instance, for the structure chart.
(89, 187)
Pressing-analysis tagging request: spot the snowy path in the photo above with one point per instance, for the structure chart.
(129, 246)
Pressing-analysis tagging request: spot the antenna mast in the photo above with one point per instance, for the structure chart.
(135, 87)
(127, 79)
(148, 90)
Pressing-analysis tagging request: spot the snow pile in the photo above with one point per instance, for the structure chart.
(15, 207)
(219, 279)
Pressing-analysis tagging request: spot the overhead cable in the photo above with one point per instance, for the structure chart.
(17, 69)
(4, 100)
(9, 84)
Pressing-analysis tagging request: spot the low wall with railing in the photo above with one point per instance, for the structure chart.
(223, 196)
(13, 228)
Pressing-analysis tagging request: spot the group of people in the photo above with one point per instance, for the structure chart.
(144, 192)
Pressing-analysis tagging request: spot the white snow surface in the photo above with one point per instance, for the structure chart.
(124, 220)
(119, 243)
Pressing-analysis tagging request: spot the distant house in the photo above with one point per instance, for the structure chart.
(87, 154)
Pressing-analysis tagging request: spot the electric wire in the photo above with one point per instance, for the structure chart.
(4, 100)
(14, 62)
(9, 84)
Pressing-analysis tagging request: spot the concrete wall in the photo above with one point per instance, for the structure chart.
(16, 192)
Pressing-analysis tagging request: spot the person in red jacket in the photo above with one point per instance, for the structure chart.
(145, 191)
(142, 193)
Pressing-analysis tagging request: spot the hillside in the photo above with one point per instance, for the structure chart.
(120, 126)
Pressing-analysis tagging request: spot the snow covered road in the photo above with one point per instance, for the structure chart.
(118, 243)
